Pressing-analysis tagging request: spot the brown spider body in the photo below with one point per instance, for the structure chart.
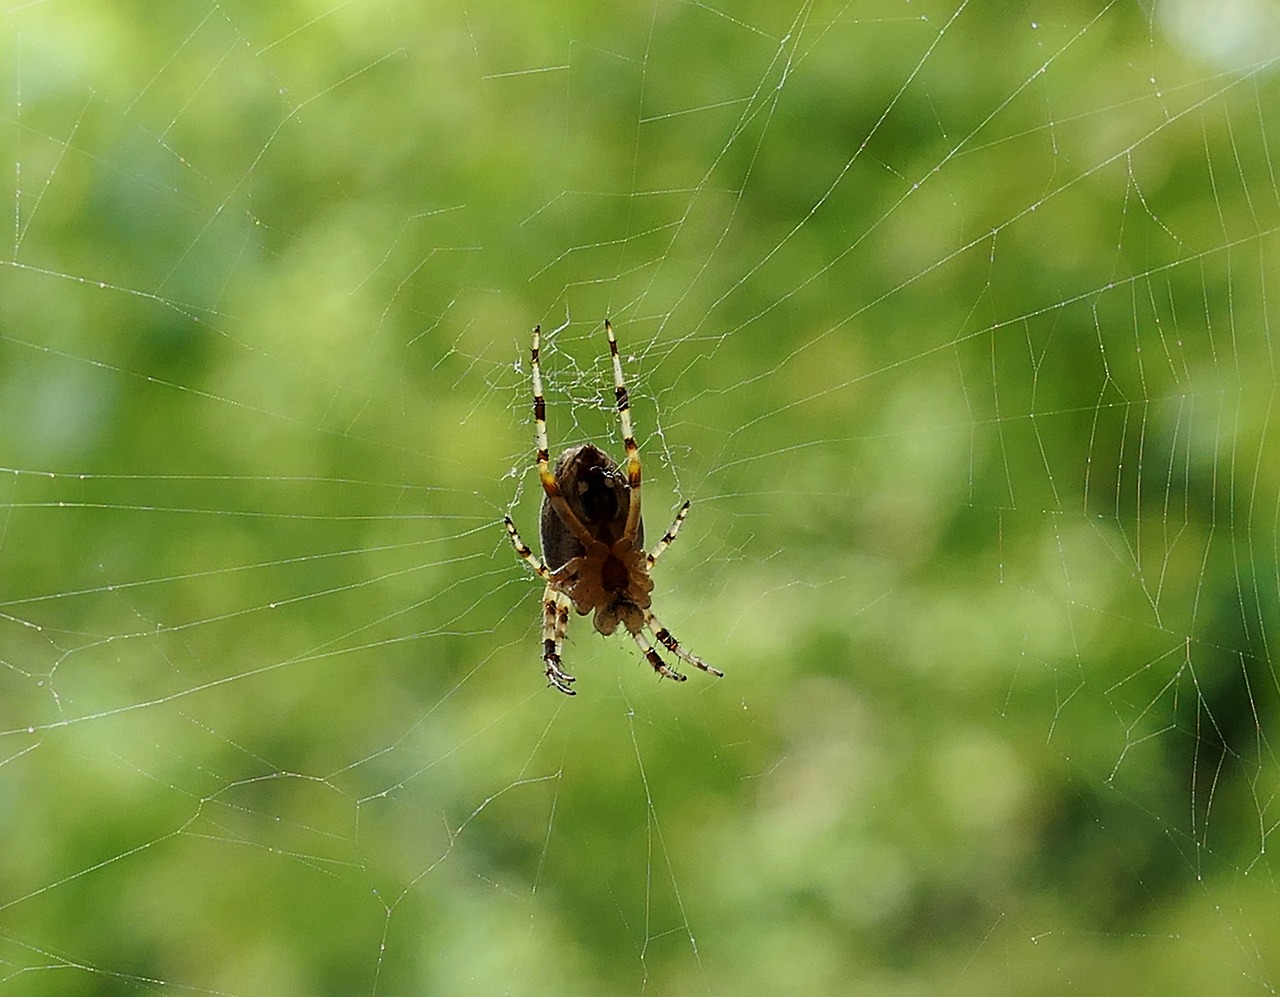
(605, 574)
(593, 540)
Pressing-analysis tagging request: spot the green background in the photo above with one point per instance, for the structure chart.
(954, 322)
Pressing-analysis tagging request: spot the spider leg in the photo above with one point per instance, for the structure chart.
(555, 612)
(544, 456)
(651, 653)
(628, 438)
(529, 556)
(671, 644)
(555, 623)
(667, 537)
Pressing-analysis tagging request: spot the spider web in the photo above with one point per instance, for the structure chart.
(953, 320)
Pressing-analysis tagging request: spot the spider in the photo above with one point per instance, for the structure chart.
(593, 540)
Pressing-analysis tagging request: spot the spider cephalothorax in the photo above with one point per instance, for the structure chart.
(593, 540)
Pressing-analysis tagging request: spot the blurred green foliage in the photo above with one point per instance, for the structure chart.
(953, 320)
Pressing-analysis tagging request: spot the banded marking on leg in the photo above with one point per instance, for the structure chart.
(545, 473)
(665, 638)
(628, 435)
(525, 553)
(668, 537)
(651, 653)
(555, 621)
(555, 673)
(540, 417)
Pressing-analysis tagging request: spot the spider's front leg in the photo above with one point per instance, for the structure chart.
(632, 528)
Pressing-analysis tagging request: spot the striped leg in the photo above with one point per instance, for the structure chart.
(668, 537)
(555, 623)
(671, 644)
(544, 457)
(555, 612)
(628, 439)
(659, 665)
(523, 550)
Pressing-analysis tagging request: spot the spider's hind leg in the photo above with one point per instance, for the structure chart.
(651, 653)
(671, 644)
(555, 624)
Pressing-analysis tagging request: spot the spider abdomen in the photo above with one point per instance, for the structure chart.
(597, 493)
